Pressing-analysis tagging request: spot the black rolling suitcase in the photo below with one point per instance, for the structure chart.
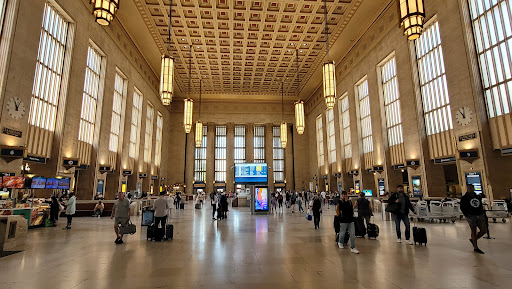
(169, 231)
(159, 233)
(150, 233)
(420, 235)
(373, 231)
(360, 228)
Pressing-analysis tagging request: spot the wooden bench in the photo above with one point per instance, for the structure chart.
(86, 209)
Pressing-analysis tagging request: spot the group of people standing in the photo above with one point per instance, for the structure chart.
(220, 205)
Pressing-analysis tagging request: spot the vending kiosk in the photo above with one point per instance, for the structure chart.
(255, 176)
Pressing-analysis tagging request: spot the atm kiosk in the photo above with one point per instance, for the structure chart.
(254, 175)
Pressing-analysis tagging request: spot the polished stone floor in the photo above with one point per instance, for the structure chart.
(244, 251)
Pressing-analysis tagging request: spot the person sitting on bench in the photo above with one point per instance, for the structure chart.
(98, 209)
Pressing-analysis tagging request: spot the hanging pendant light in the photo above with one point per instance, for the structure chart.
(104, 10)
(299, 105)
(299, 116)
(199, 124)
(284, 126)
(199, 134)
(167, 70)
(167, 80)
(329, 69)
(187, 118)
(412, 16)
(189, 103)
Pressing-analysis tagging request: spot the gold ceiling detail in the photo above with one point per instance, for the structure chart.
(244, 46)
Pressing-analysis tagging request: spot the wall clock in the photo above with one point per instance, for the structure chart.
(15, 107)
(464, 116)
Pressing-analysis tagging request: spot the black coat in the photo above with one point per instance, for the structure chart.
(317, 206)
(408, 203)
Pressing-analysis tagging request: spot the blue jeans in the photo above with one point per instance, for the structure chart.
(405, 219)
(351, 231)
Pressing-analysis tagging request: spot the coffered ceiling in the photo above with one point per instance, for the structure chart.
(245, 48)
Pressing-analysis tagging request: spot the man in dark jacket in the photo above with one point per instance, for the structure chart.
(364, 208)
(224, 205)
(346, 213)
(317, 209)
(402, 213)
(472, 207)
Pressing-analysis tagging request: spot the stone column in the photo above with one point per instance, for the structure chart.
(249, 143)
(230, 156)
(210, 157)
(269, 153)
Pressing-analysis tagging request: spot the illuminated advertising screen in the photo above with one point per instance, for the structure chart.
(63, 184)
(251, 173)
(473, 178)
(416, 185)
(382, 187)
(51, 183)
(38, 183)
(357, 187)
(14, 182)
(261, 199)
(368, 193)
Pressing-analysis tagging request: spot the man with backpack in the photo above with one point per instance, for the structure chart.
(346, 218)
(401, 204)
(364, 208)
(471, 206)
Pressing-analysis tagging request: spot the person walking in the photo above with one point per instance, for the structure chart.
(287, 203)
(293, 200)
(346, 218)
(299, 202)
(471, 206)
(214, 199)
(160, 206)
(177, 201)
(280, 201)
(70, 210)
(121, 215)
(401, 213)
(317, 210)
(364, 208)
(273, 202)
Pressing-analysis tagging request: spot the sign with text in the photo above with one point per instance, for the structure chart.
(251, 173)
(466, 137)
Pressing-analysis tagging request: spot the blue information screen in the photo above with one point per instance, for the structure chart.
(251, 173)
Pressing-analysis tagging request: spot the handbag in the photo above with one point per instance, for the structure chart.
(393, 208)
(308, 216)
(128, 229)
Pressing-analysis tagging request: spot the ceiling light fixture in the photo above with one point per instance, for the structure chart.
(199, 124)
(167, 70)
(329, 69)
(189, 103)
(412, 16)
(284, 126)
(104, 10)
(299, 105)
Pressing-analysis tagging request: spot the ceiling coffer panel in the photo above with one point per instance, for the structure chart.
(242, 46)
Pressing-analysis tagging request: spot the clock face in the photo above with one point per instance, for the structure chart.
(16, 107)
(464, 116)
